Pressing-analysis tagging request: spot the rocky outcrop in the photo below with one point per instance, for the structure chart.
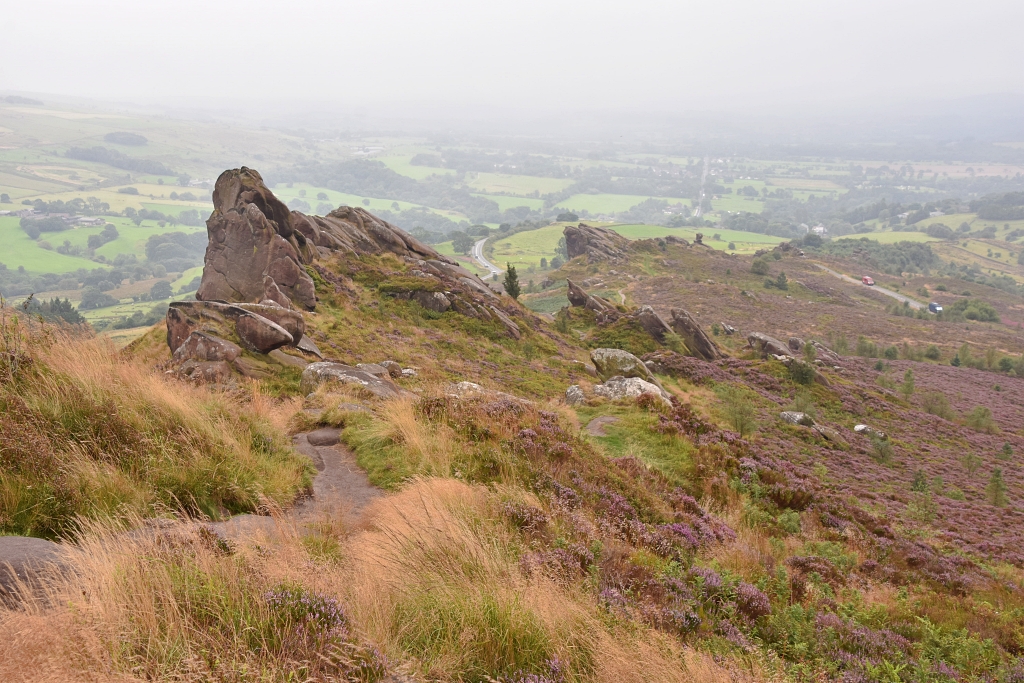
(616, 362)
(201, 346)
(695, 338)
(377, 384)
(652, 323)
(254, 254)
(574, 395)
(597, 244)
(24, 561)
(604, 310)
(629, 387)
(223, 321)
(766, 345)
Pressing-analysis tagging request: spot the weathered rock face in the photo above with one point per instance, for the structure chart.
(765, 345)
(615, 362)
(605, 311)
(316, 374)
(697, 340)
(628, 387)
(220, 320)
(259, 248)
(653, 323)
(254, 254)
(597, 244)
(201, 346)
(574, 395)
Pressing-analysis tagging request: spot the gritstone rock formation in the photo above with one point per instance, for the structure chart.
(597, 244)
(697, 340)
(255, 279)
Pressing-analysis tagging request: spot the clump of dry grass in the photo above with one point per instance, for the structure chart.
(86, 431)
(432, 584)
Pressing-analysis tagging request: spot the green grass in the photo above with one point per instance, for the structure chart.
(400, 164)
(21, 250)
(737, 203)
(336, 199)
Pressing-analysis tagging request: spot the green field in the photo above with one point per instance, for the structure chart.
(610, 203)
(521, 185)
(527, 248)
(736, 204)
(467, 262)
(506, 202)
(400, 164)
(20, 250)
(336, 199)
(891, 237)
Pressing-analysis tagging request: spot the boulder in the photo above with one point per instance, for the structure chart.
(574, 395)
(208, 372)
(200, 346)
(652, 323)
(325, 436)
(24, 560)
(597, 244)
(323, 372)
(832, 435)
(432, 301)
(618, 363)
(307, 345)
(797, 418)
(291, 321)
(260, 334)
(254, 253)
(728, 329)
(393, 368)
(628, 387)
(474, 390)
(870, 432)
(375, 369)
(796, 344)
(580, 299)
(510, 325)
(766, 345)
(696, 339)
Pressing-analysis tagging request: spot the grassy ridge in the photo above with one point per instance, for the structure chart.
(86, 433)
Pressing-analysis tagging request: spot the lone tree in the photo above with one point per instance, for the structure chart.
(511, 281)
(996, 489)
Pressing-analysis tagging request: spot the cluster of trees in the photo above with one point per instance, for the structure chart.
(190, 217)
(901, 257)
(1003, 207)
(54, 310)
(112, 157)
(125, 138)
(106, 235)
(462, 160)
(176, 251)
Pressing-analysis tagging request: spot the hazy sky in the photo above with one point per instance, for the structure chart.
(669, 56)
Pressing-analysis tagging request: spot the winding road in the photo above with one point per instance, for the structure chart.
(478, 256)
(916, 305)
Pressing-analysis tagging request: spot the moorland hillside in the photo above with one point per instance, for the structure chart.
(684, 474)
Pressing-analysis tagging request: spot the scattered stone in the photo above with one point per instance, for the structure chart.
(796, 344)
(797, 418)
(574, 395)
(618, 363)
(628, 387)
(870, 432)
(325, 436)
(393, 368)
(696, 339)
(408, 372)
(510, 326)
(766, 345)
(322, 372)
(832, 435)
(585, 367)
(728, 329)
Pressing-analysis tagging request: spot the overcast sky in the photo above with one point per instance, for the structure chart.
(669, 56)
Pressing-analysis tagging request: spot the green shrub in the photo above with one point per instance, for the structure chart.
(759, 267)
(980, 420)
(802, 373)
(932, 353)
(739, 410)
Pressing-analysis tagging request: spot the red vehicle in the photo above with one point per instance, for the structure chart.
(868, 281)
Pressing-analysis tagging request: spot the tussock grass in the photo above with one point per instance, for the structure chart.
(88, 432)
(432, 583)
